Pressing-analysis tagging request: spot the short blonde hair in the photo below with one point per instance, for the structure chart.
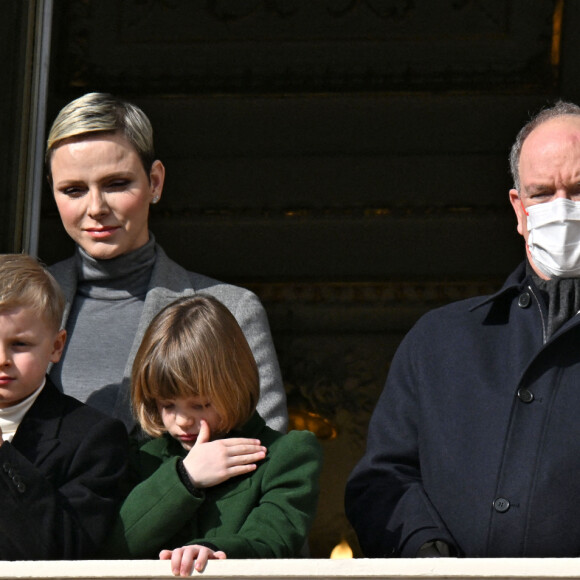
(195, 347)
(104, 113)
(25, 283)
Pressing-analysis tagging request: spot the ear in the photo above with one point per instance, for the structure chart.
(157, 179)
(58, 346)
(519, 209)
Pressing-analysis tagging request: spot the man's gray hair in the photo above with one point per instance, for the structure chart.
(559, 109)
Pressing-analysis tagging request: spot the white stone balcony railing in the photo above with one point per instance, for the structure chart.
(357, 569)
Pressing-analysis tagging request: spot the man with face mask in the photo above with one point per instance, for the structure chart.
(474, 446)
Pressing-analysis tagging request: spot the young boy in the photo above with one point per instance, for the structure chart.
(61, 462)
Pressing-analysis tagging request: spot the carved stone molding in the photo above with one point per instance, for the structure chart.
(398, 293)
(164, 46)
(384, 212)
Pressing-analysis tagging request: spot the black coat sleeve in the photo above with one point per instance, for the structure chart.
(59, 500)
(385, 498)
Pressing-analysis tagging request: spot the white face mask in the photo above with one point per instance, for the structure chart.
(554, 237)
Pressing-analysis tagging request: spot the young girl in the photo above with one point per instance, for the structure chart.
(215, 479)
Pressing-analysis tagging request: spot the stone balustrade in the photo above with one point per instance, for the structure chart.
(357, 569)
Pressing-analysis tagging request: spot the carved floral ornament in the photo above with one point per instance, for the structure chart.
(236, 10)
(396, 10)
(232, 9)
(184, 46)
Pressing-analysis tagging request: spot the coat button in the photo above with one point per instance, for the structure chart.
(525, 396)
(501, 505)
(524, 300)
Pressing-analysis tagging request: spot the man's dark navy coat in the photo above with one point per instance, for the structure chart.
(475, 439)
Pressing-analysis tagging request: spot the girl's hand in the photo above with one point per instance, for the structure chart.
(211, 462)
(183, 559)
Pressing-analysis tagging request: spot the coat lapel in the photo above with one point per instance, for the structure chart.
(37, 435)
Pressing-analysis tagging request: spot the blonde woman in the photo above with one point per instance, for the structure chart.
(103, 171)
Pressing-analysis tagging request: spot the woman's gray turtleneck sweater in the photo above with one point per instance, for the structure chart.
(106, 310)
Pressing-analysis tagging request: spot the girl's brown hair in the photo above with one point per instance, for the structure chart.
(195, 347)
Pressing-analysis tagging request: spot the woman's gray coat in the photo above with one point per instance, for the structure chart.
(169, 281)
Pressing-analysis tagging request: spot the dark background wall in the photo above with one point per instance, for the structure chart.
(14, 75)
(346, 159)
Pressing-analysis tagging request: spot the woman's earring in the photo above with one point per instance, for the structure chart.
(155, 199)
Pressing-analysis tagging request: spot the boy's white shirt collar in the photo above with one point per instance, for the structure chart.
(11, 417)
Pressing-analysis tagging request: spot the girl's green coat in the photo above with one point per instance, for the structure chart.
(264, 514)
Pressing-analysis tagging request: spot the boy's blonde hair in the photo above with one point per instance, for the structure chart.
(195, 347)
(25, 283)
(102, 113)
